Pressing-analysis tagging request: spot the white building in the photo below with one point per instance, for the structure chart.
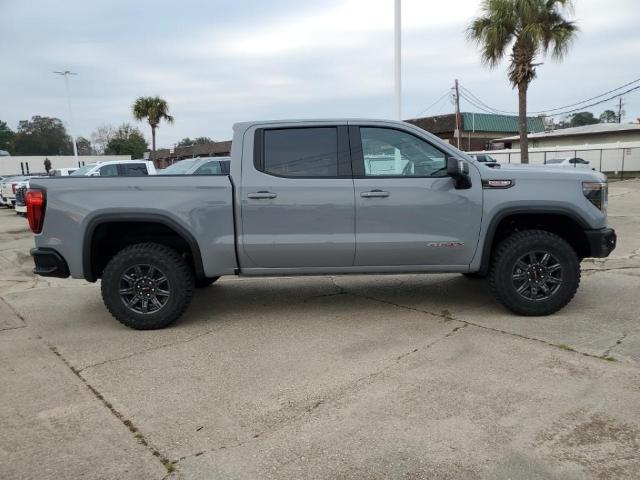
(598, 133)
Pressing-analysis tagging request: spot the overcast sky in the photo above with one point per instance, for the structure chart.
(221, 61)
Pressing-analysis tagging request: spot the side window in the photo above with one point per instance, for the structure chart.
(109, 171)
(389, 152)
(301, 152)
(209, 168)
(133, 169)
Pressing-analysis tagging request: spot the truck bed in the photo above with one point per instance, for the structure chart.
(200, 206)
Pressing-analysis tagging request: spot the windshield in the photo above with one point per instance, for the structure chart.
(179, 168)
(83, 170)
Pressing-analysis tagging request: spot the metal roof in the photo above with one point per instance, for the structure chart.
(596, 128)
(489, 122)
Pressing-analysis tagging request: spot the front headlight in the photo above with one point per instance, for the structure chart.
(597, 193)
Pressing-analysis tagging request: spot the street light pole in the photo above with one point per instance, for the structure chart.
(397, 71)
(66, 74)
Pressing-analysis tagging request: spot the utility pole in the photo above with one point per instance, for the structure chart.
(457, 114)
(620, 110)
(66, 74)
(397, 60)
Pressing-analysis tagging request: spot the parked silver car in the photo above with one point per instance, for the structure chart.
(199, 166)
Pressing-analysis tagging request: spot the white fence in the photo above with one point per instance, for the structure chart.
(35, 164)
(612, 158)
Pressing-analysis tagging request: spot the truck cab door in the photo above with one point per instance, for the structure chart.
(408, 211)
(297, 199)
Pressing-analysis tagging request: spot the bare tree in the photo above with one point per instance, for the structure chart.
(101, 137)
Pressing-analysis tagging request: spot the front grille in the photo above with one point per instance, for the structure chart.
(20, 195)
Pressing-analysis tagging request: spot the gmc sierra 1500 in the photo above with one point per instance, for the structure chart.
(323, 197)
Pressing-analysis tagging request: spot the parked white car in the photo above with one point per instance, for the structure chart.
(571, 162)
(8, 190)
(116, 168)
(484, 158)
(62, 172)
(199, 166)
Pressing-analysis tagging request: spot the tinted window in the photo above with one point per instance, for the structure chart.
(109, 171)
(389, 152)
(209, 168)
(301, 152)
(133, 169)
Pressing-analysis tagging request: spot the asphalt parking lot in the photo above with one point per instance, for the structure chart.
(418, 376)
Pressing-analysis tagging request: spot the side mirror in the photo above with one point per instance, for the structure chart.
(459, 171)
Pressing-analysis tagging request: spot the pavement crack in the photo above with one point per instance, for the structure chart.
(330, 398)
(15, 312)
(448, 316)
(151, 349)
(607, 353)
(138, 435)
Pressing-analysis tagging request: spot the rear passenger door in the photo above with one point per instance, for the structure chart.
(297, 199)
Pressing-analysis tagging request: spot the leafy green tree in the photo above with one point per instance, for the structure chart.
(582, 118)
(84, 146)
(127, 140)
(7, 137)
(42, 136)
(608, 116)
(154, 110)
(529, 28)
(187, 142)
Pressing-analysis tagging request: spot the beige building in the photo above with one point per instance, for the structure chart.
(599, 133)
(35, 164)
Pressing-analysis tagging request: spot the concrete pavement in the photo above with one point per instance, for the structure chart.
(418, 376)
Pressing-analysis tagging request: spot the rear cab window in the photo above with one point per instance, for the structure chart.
(303, 152)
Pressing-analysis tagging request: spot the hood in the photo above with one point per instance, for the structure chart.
(528, 171)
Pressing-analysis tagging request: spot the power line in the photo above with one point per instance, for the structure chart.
(474, 100)
(446, 94)
(592, 98)
(598, 102)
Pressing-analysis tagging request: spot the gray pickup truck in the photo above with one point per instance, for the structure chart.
(325, 197)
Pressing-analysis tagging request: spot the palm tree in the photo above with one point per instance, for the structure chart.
(531, 28)
(154, 109)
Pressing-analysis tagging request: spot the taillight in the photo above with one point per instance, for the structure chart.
(34, 200)
(13, 187)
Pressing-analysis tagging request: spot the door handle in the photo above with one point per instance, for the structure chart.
(262, 194)
(374, 194)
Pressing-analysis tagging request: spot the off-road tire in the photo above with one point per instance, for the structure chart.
(169, 262)
(504, 260)
(205, 282)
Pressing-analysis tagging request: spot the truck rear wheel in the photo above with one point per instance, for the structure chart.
(534, 272)
(147, 286)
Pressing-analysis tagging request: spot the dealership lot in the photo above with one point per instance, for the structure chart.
(418, 376)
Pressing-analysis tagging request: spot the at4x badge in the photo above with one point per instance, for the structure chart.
(445, 244)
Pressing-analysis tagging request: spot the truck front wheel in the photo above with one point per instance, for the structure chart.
(147, 286)
(534, 272)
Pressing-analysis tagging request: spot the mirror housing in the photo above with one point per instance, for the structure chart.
(459, 171)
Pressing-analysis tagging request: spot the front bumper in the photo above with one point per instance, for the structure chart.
(601, 242)
(49, 263)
